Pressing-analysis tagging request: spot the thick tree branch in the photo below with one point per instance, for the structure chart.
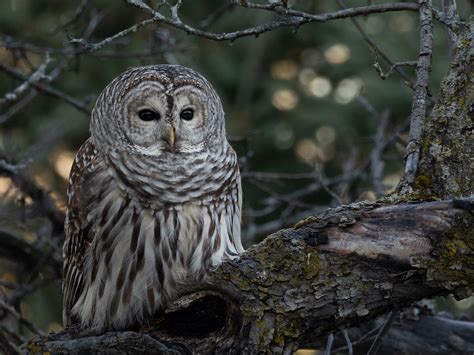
(345, 266)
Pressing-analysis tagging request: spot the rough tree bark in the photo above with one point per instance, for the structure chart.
(446, 135)
(345, 266)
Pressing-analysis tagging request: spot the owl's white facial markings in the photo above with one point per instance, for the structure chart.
(147, 96)
(179, 103)
(180, 121)
(190, 132)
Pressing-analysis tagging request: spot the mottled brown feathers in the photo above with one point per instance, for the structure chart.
(145, 212)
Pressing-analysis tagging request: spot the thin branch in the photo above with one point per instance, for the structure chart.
(377, 51)
(325, 187)
(75, 17)
(74, 51)
(351, 12)
(126, 32)
(28, 187)
(420, 95)
(47, 89)
(407, 63)
(20, 318)
(348, 342)
(289, 18)
(451, 12)
(7, 346)
(18, 106)
(213, 17)
(376, 162)
(327, 350)
(269, 176)
(383, 330)
(12, 334)
(370, 335)
(33, 79)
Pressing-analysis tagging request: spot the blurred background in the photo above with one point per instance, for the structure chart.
(312, 120)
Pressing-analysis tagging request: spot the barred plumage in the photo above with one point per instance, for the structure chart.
(151, 202)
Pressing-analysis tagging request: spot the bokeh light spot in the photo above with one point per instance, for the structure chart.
(325, 135)
(63, 163)
(320, 87)
(305, 76)
(337, 54)
(307, 151)
(5, 185)
(284, 99)
(284, 69)
(347, 90)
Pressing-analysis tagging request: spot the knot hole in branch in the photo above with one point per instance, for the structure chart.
(201, 314)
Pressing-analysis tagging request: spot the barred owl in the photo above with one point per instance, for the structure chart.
(154, 198)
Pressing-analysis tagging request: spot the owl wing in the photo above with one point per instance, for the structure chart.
(77, 228)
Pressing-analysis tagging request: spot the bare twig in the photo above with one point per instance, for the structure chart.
(348, 342)
(33, 79)
(376, 162)
(213, 17)
(20, 318)
(451, 13)
(362, 10)
(408, 63)
(383, 330)
(420, 95)
(7, 346)
(324, 185)
(289, 18)
(74, 18)
(367, 105)
(13, 335)
(18, 106)
(370, 335)
(28, 186)
(75, 51)
(47, 89)
(276, 196)
(269, 176)
(377, 51)
(327, 350)
(126, 32)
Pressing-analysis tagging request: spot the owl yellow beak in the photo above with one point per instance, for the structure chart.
(171, 137)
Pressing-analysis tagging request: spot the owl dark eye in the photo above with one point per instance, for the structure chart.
(187, 114)
(148, 115)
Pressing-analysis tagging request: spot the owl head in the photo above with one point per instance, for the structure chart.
(158, 109)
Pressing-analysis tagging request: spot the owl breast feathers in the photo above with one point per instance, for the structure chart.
(154, 198)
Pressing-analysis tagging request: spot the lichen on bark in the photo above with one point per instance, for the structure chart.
(446, 167)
